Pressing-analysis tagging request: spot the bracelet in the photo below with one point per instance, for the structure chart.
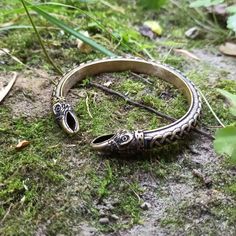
(128, 141)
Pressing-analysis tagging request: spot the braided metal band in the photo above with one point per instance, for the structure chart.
(128, 141)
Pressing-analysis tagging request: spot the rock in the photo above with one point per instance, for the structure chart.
(208, 182)
(102, 213)
(110, 207)
(114, 217)
(104, 221)
(193, 33)
(145, 206)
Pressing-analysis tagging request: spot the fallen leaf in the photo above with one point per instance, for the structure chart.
(5, 90)
(82, 94)
(7, 24)
(187, 54)
(4, 51)
(83, 47)
(107, 84)
(146, 31)
(22, 144)
(154, 26)
(219, 12)
(228, 49)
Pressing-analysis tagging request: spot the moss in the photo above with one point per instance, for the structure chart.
(25, 174)
(132, 87)
(232, 189)
(213, 97)
(173, 222)
(38, 183)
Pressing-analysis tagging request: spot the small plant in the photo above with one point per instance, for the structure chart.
(225, 142)
(231, 21)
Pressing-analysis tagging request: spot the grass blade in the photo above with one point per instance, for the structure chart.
(71, 31)
(59, 71)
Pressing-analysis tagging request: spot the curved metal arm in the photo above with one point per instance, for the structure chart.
(128, 141)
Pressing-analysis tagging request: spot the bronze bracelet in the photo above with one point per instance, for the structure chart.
(128, 141)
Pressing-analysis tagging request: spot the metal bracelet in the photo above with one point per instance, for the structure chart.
(128, 141)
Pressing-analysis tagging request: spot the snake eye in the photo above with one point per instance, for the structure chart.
(124, 138)
(57, 108)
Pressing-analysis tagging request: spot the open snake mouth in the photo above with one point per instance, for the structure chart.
(102, 138)
(71, 122)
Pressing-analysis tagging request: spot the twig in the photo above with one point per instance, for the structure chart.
(87, 105)
(7, 213)
(211, 109)
(141, 78)
(130, 101)
(58, 70)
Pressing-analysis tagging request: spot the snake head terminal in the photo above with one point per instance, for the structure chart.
(66, 117)
(121, 142)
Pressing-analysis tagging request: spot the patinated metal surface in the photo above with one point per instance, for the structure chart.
(128, 141)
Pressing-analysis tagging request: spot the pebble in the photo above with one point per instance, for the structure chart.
(114, 217)
(104, 221)
(193, 33)
(145, 206)
(110, 207)
(101, 212)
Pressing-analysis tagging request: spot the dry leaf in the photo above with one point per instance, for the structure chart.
(154, 26)
(7, 24)
(228, 49)
(107, 84)
(146, 31)
(187, 54)
(22, 144)
(219, 12)
(82, 94)
(83, 47)
(5, 90)
(4, 51)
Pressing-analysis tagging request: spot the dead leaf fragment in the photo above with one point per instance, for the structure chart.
(219, 12)
(4, 51)
(5, 90)
(187, 54)
(83, 47)
(22, 144)
(154, 26)
(147, 32)
(108, 83)
(228, 49)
